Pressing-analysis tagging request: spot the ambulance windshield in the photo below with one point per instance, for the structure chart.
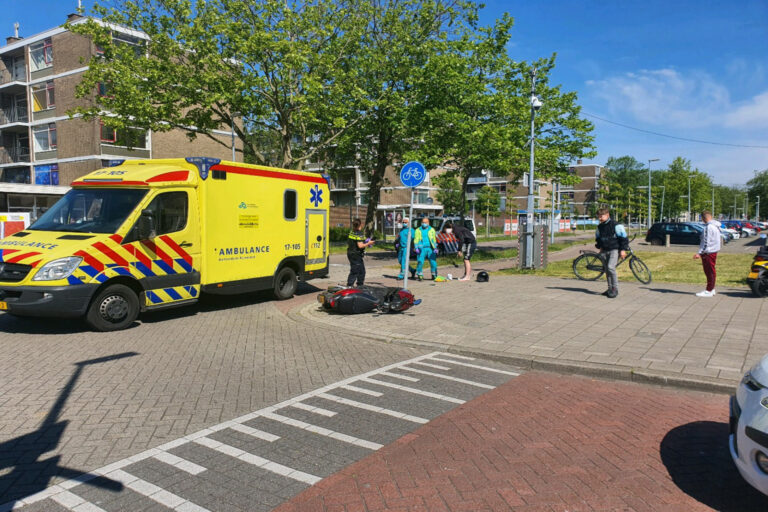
(91, 210)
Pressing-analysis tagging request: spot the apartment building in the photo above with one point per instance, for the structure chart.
(349, 193)
(583, 196)
(42, 150)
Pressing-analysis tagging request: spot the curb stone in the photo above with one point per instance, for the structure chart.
(540, 363)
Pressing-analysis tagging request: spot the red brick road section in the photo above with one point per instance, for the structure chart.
(545, 442)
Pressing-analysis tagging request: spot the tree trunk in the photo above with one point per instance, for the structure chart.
(464, 182)
(377, 179)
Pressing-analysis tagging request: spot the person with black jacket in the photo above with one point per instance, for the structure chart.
(356, 245)
(611, 239)
(467, 246)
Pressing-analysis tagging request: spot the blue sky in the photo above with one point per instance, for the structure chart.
(695, 69)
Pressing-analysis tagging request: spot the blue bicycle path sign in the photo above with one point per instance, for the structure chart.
(413, 174)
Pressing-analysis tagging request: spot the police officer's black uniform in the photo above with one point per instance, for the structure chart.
(355, 257)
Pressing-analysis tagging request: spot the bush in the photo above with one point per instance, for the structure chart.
(338, 234)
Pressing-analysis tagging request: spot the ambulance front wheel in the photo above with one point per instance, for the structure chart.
(286, 283)
(113, 308)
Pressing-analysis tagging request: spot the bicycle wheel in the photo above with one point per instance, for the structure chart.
(589, 266)
(640, 270)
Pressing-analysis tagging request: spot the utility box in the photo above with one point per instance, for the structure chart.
(540, 247)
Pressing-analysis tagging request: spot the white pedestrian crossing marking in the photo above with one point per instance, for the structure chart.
(62, 492)
(261, 462)
(362, 390)
(469, 365)
(448, 377)
(245, 429)
(398, 376)
(322, 431)
(413, 390)
(316, 410)
(373, 408)
(178, 462)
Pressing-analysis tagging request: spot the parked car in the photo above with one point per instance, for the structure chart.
(724, 234)
(734, 233)
(748, 439)
(752, 225)
(679, 233)
(745, 231)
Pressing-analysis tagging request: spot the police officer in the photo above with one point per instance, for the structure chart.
(611, 239)
(356, 245)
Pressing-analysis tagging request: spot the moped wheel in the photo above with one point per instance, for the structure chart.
(760, 286)
(589, 266)
(640, 270)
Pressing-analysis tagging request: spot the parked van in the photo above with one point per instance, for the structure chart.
(152, 234)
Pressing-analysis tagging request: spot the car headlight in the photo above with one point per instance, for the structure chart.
(58, 269)
(762, 461)
(751, 383)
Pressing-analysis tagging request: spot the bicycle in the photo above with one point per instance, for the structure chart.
(591, 266)
(412, 173)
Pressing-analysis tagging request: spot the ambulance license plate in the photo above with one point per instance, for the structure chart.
(3, 305)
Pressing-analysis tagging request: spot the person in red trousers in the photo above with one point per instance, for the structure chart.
(708, 249)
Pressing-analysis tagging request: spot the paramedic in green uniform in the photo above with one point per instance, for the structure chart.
(356, 245)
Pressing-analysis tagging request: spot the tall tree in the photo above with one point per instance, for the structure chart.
(273, 67)
(401, 39)
(449, 193)
(488, 202)
(475, 114)
(758, 187)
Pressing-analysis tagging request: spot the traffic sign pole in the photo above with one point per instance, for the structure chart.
(407, 269)
(412, 175)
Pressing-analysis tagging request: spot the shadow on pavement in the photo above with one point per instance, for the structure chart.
(739, 294)
(665, 290)
(572, 289)
(30, 325)
(25, 472)
(697, 458)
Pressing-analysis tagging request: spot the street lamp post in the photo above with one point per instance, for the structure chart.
(649, 189)
(689, 197)
(661, 213)
(757, 209)
(535, 105)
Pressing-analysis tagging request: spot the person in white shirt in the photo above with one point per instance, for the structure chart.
(708, 249)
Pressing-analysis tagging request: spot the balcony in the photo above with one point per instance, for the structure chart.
(13, 115)
(14, 155)
(16, 75)
(342, 183)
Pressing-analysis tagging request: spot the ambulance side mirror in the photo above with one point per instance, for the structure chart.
(146, 225)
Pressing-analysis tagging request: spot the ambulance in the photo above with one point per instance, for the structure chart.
(147, 235)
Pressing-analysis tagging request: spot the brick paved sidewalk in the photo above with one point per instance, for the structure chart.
(659, 332)
(544, 442)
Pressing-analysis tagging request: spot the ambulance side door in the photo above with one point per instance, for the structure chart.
(171, 255)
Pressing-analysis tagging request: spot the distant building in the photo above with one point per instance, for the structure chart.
(584, 195)
(42, 150)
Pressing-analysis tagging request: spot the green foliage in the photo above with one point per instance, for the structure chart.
(475, 113)
(758, 187)
(488, 201)
(274, 66)
(449, 193)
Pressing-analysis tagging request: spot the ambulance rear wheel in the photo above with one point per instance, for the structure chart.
(286, 283)
(114, 308)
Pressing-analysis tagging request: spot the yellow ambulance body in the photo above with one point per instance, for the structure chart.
(152, 234)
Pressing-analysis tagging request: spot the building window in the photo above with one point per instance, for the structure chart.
(124, 137)
(15, 175)
(290, 205)
(105, 90)
(41, 54)
(45, 137)
(47, 174)
(43, 97)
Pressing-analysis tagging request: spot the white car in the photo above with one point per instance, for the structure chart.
(749, 427)
(735, 234)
